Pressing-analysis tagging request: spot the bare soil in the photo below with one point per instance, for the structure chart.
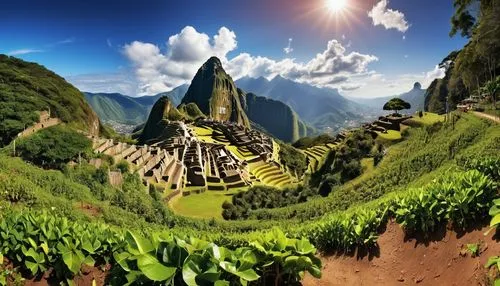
(438, 259)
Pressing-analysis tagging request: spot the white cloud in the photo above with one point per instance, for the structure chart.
(109, 43)
(123, 83)
(288, 49)
(377, 85)
(437, 72)
(390, 19)
(23, 52)
(159, 71)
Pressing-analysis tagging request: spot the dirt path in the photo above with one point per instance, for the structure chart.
(487, 116)
(439, 260)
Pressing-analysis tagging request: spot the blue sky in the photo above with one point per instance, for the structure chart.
(369, 48)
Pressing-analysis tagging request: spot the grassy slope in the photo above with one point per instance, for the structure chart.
(422, 154)
(204, 205)
(473, 135)
(26, 88)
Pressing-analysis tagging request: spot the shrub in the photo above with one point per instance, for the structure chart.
(53, 147)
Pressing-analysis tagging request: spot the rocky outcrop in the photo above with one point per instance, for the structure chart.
(162, 111)
(274, 116)
(215, 93)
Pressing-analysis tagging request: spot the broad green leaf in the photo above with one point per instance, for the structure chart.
(315, 271)
(191, 269)
(72, 261)
(221, 283)
(139, 243)
(153, 269)
(248, 275)
(121, 258)
(495, 220)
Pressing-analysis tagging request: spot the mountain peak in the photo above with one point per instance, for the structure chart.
(213, 63)
(417, 85)
(215, 94)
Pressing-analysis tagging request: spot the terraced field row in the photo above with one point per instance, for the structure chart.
(317, 155)
(270, 174)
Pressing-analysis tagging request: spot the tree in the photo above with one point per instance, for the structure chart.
(55, 146)
(396, 104)
(462, 21)
(491, 88)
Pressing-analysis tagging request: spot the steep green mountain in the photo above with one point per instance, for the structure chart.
(162, 110)
(441, 89)
(320, 107)
(416, 97)
(214, 91)
(471, 67)
(117, 107)
(26, 88)
(274, 116)
(129, 110)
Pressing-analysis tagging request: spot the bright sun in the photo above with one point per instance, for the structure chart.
(336, 5)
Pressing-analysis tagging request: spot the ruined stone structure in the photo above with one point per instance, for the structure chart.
(45, 121)
(151, 163)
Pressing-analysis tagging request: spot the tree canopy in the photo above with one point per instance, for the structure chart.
(54, 146)
(396, 104)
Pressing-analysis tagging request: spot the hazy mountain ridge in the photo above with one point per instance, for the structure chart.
(274, 116)
(320, 107)
(416, 97)
(124, 109)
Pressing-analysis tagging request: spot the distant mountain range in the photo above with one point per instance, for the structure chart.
(416, 97)
(116, 107)
(214, 93)
(320, 107)
(284, 108)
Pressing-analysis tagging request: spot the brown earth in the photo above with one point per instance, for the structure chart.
(86, 278)
(88, 209)
(439, 259)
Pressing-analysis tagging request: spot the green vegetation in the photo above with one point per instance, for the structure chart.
(215, 94)
(308, 142)
(54, 147)
(390, 135)
(259, 197)
(204, 205)
(117, 107)
(274, 116)
(424, 155)
(344, 162)
(191, 111)
(293, 159)
(27, 88)
(44, 240)
(472, 67)
(396, 104)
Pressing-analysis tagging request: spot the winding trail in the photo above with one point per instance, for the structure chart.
(487, 116)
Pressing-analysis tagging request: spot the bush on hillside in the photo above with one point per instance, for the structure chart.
(293, 159)
(308, 142)
(54, 147)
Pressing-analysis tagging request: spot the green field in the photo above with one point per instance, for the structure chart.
(204, 205)
(428, 118)
(390, 135)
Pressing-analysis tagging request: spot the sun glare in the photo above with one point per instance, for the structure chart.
(336, 5)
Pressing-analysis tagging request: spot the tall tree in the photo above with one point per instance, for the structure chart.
(396, 104)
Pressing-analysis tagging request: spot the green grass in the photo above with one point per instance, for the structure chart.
(428, 118)
(391, 135)
(204, 205)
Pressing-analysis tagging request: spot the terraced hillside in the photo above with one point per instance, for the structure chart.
(262, 171)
